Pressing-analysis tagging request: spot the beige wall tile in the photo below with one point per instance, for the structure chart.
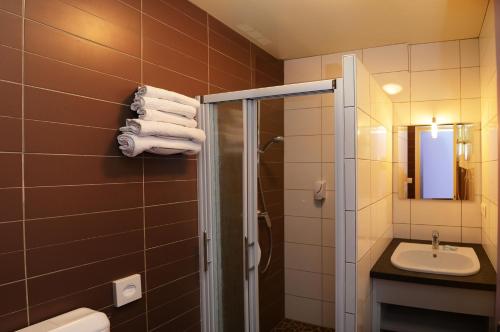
(303, 257)
(362, 87)
(402, 115)
(363, 225)
(303, 149)
(328, 205)
(363, 135)
(386, 58)
(304, 284)
(303, 70)
(328, 258)
(471, 212)
(435, 85)
(302, 102)
(302, 175)
(303, 122)
(328, 232)
(470, 110)
(329, 314)
(327, 120)
(328, 174)
(363, 183)
(300, 203)
(328, 288)
(401, 210)
(402, 231)
(332, 63)
(424, 232)
(435, 212)
(303, 309)
(445, 111)
(303, 230)
(401, 78)
(471, 235)
(328, 148)
(469, 52)
(441, 55)
(363, 315)
(470, 83)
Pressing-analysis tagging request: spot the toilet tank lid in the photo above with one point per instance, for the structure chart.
(79, 320)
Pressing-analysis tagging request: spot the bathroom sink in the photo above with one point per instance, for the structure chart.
(450, 260)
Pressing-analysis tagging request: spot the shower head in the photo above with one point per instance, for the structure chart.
(274, 140)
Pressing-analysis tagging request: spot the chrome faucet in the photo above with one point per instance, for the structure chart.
(435, 240)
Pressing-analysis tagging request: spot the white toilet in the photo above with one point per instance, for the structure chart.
(79, 320)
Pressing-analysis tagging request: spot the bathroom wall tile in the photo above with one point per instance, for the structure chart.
(327, 148)
(441, 55)
(444, 213)
(386, 58)
(402, 115)
(445, 111)
(169, 192)
(303, 70)
(302, 175)
(363, 234)
(381, 220)
(238, 50)
(329, 314)
(171, 233)
(15, 293)
(12, 267)
(363, 183)
(171, 252)
(11, 237)
(470, 86)
(401, 78)
(328, 260)
(402, 231)
(471, 212)
(435, 85)
(328, 174)
(47, 170)
(303, 122)
(363, 294)
(303, 310)
(303, 230)
(303, 149)
(327, 120)
(302, 102)
(47, 259)
(424, 232)
(11, 175)
(328, 288)
(332, 63)
(327, 232)
(381, 180)
(349, 80)
(364, 134)
(58, 201)
(13, 6)
(328, 205)
(303, 284)
(11, 30)
(471, 235)
(301, 203)
(401, 210)
(470, 110)
(15, 321)
(10, 67)
(11, 204)
(362, 80)
(11, 94)
(469, 52)
(11, 135)
(170, 213)
(303, 257)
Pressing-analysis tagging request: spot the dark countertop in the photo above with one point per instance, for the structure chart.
(485, 279)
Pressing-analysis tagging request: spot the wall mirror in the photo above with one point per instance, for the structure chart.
(435, 161)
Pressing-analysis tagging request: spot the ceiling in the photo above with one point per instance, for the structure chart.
(298, 28)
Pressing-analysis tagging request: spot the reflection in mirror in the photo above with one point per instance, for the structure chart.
(434, 162)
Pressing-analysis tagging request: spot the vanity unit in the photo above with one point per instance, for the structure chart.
(418, 301)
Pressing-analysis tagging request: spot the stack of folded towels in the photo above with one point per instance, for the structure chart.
(166, 124)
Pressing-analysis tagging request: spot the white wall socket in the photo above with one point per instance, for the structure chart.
(127, 290)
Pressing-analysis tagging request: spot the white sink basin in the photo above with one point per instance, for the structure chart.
(418, 257)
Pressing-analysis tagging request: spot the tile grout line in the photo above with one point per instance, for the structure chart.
(23, 170)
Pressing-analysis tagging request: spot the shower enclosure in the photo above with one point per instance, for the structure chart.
(235, 210)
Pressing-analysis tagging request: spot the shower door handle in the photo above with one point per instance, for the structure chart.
(247, 269)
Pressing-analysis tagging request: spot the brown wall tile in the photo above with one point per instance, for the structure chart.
(169, 192)
(44, 232)
(11, 204)
(46, 137)
(137, 324)
(15, 292)
(175, 289)
(171, 252)
(10, 94)
(12, 267)
(230, 66)
(170, 272)
(11, 175)
(10, 66)
(10, 30)
(44, 202)
(59, 45)
(83, 24)
(54, 106)
(173, 309)
(171, 233)
(159, 169)
(11, 237)
(13, 6)
(52, 170)
(51, 74)
(171, 213)
(11, 134)
(14, 321)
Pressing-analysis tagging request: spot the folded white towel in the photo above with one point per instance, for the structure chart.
(132, 145)
(164, 106)
(162, 129)
(150, 91)
(154, 115)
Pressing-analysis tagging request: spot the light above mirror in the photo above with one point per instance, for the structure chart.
(392, 88)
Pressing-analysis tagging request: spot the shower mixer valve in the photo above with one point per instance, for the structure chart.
(320, 190)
